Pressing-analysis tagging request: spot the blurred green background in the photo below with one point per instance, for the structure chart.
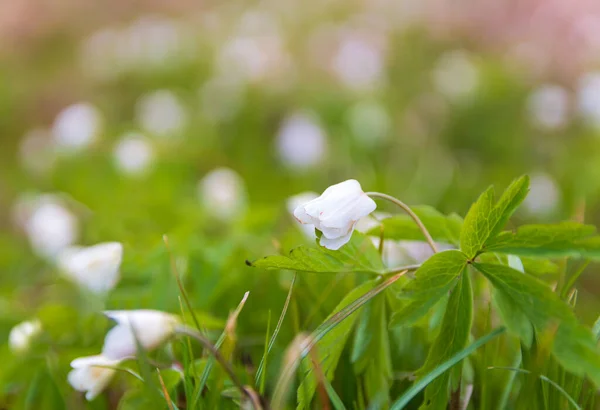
(200, 120)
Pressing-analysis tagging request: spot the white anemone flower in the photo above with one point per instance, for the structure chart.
(336, 212)
(150, 327)
(77, 126)
(222, 193)
(294, 202)
(95, 267)
(91, 374)
(21, 335)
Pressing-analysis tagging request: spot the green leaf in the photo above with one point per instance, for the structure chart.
(516, 321)
(423, 382)
(401, 227)
(533, 266)
(371, 352)
(485, 220)
(358, 255)
(507, 204)
(453, 337)
(530, 296)
(329, 348)
(550, 241)
(576, 350)
(433, 280)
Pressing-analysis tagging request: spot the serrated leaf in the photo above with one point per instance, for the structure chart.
(358, 255)
(434, 279)
(453, 337)
(532, 297)
(329, 348)
(485, 220)
(551, 241)
(576, 350)
(401, 227)
(371, 352)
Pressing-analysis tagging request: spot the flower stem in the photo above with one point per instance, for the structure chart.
(410, 212)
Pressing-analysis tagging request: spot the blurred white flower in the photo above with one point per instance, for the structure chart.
(77, 126)
(149, 327)
(20, 335)
(359, 61)
(251, 58)
(91, 374)
(222, 193)
(36, 151)
(544, 195)
(549, 107)
(456, 76)
(49, 225)
(371, 221)
(98, 56)
(95, 267)
(294, 202)
(161, 113)
(301, 142)
(221, 97)
(369, 122)
(588, 98)
(256, 51)
(150, 42)
(133, 154)
(336, 212)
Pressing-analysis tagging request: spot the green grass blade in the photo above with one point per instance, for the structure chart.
(547, 380)
(336, 401)
(260, 373)
(429, 377)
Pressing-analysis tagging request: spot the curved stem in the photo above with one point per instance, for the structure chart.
(410, 213)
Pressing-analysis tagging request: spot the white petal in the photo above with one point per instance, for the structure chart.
(151, 327)
(335, 244)
(95, 268)
(21, 335)
(91, 374)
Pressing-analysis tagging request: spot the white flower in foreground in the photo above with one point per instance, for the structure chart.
(133, 154)
(301, 142)
(21, 335)
(298, 200)
(50, 226)
(95, 267)
(77, 126)
(149, 327)
(222, 193)
(336, 212)
(91, 374)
